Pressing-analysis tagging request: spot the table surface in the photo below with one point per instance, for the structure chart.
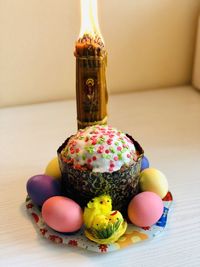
(166, 123)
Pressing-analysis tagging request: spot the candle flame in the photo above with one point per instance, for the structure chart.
(89, 19)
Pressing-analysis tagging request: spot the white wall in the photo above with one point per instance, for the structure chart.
(150, 44)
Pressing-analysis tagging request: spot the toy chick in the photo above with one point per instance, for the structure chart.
(101, 205)
(103, 225)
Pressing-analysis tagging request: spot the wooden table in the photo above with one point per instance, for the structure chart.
(166, 123)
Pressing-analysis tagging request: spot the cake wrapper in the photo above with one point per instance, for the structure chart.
(82, 186)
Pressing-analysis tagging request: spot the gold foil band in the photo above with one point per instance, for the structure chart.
(83, 124)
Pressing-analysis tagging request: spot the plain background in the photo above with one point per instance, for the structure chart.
(150, 45)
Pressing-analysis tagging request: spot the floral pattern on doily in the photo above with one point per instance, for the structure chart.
(132, 235)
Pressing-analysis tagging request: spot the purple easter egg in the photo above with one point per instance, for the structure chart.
(144, 163)
(41, 187)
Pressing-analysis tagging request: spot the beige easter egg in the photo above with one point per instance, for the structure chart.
(53, 169)
(153, 180)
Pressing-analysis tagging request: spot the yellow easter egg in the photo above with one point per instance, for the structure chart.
(153, 180)
(53, 169)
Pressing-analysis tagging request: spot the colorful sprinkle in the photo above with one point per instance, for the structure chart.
(109, 141)
(89, 161)
(112, 165)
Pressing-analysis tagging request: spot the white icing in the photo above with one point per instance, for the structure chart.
(100, 148)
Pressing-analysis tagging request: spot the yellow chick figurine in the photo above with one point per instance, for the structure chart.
(97, 206)
(103, 225)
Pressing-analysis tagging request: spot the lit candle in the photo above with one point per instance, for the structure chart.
(91, 60)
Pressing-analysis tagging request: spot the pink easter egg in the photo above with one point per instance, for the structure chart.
(62, 214)
(145, 209)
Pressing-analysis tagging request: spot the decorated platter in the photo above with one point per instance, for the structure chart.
(132, 235)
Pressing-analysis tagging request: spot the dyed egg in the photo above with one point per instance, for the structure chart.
(145, 209)
(144, 163)
(153, 180)
(53, 169)
(62, 214)
(41, 187)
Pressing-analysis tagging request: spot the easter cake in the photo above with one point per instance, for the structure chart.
(100, 160)
(99, 192)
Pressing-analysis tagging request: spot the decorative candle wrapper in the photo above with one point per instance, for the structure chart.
(132, 235)
(82, 186)
(91, 96)
(91, 89)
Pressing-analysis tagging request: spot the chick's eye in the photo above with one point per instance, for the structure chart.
(101, 202)
(92, 200)
(108, 200)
